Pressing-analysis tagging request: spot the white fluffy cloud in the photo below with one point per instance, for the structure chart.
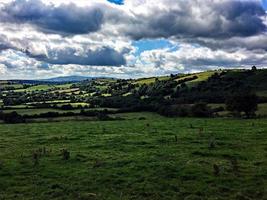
(200, 58)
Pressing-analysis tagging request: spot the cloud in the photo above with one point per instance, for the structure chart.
(104, 56)
(255, 42)
(189, 58)
(53, 49)
(196, 18)
(51, 37)
(4, 45)
(137, 18)
(63, 19)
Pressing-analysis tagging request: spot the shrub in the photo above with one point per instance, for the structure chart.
(174, 111)
(12, 118)
(67, 107)
(201, 110)
(65, 154)
(242, 102)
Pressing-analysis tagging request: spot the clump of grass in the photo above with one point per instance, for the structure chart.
(35, 158)
(104, 130)
(98, 163)
(234, 164)
(200, 131)
(86, 196)
(192, 197)
(42, 151)
(65, 154)
(80, 157)
(216, 170)
(1, 164)
(55, 186)
(57, 138)
(37, 154)
(176, 138)
(212, 143)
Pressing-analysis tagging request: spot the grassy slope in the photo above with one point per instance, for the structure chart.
(150, 80)
(135, 159)
(202, 76)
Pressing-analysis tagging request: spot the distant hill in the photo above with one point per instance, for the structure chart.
(55, 80)
(67, 79)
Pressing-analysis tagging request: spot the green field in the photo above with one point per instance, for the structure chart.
(45, 87)
(153, 158)
(32, 111)
(16, 86)
(202, 76)
(150, 80)
(38, 111)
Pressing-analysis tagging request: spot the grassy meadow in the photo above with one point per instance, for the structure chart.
(145, 156)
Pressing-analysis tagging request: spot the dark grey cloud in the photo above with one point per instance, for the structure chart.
(98, 56)
(190, 19)
(208, 19)
(63, 19)
(251, 43)
(103, 56)
(4, 45)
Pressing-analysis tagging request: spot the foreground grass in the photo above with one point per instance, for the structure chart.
(155, 158)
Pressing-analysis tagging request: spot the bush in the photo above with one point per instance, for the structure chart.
(174, 111)
(242, 102)
(67, 107)
(12, 118)
(201, 110)
(103, 116)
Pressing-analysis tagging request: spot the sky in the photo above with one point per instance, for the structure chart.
(130, 38)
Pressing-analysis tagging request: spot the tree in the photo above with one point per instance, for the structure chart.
(246, 102)
(172, 75)
(254, 68)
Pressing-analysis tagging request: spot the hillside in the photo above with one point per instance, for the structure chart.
(146, 94)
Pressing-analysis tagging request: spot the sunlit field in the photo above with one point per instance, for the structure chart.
(144, 156)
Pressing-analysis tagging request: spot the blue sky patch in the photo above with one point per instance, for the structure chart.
(264, 3)
(147, 45)
(120, 2)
